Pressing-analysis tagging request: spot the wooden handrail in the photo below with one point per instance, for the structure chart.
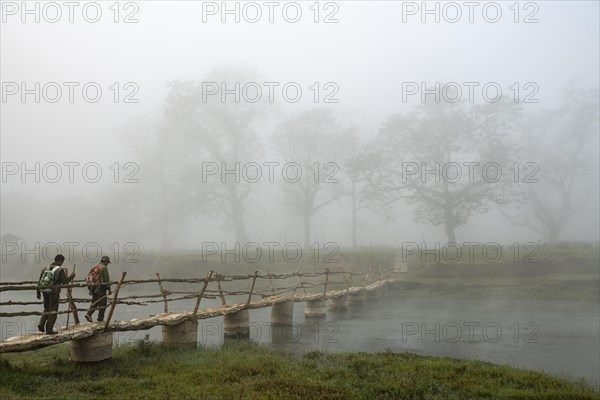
(114, 301)
(252, 288)
(202, 293)
(163, 292)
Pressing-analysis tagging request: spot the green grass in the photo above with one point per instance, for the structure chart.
(249, 371)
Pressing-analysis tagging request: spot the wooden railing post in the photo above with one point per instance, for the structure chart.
(387, 280)
(220, 289)
(72, 305)
(296, 287)
(270, 282)
(300, 281)
(202, 293)
(348, 285)
(367, 277)
(114, 301)
(252, 288)
(326, 282)
(164, 293)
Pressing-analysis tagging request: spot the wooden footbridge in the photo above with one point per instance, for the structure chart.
(93, 341)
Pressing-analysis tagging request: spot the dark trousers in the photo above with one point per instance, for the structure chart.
(50, 304)
(99, 302)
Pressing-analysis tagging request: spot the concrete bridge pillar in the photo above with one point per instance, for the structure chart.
(315, 308)
(356, 299)
(282, 313)
(93, 348)
(373, 294)
(237, 325)
(338, 303)
(184, 334)
(385, 288)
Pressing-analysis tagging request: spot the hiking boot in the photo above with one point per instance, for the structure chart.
(100, 320)
(51, 333)
(41, 328)
(88, 318)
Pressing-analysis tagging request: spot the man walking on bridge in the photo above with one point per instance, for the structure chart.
(99, 286)
(52, 295)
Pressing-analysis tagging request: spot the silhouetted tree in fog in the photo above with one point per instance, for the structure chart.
(563, 144)
(161, 201)
(353, 166)
(221, 131)
(453, 142)
(308, 139)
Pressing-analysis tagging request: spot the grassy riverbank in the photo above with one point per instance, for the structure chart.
(247, 371)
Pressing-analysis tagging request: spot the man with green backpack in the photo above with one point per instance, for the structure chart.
(51, 275)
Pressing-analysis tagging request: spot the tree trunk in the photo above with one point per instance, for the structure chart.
(237, 214)
(240, 229)
(354, 217)
(238, 223)
(450, 233)
(450, 221)
(552, 235)
(306, 230)
(164, 213)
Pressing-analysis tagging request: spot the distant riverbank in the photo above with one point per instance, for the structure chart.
(542, 281)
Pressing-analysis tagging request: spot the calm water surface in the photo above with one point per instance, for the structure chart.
(557, 336)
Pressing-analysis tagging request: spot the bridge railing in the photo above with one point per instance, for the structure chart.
(226, 288)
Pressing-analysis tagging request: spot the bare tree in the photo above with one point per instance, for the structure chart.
(307, 139)
(437, 158)
(157, 195)
(353, 182)
(559, 142)
(220, 129)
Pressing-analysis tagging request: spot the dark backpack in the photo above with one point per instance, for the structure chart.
(47, 279)
(94, 279)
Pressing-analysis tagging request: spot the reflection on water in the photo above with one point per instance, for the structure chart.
(556, 336)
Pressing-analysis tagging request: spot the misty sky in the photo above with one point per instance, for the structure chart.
(369, 53)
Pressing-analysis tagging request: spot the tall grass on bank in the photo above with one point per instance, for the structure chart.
(146, 370)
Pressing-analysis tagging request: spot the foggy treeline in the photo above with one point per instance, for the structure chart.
(546, 159)
(213, 164)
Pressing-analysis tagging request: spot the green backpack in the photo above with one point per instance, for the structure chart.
(47, 279)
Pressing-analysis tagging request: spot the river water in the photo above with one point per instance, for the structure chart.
(560, 337)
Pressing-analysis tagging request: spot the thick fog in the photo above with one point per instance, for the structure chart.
(115, 127)
(177, 136)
